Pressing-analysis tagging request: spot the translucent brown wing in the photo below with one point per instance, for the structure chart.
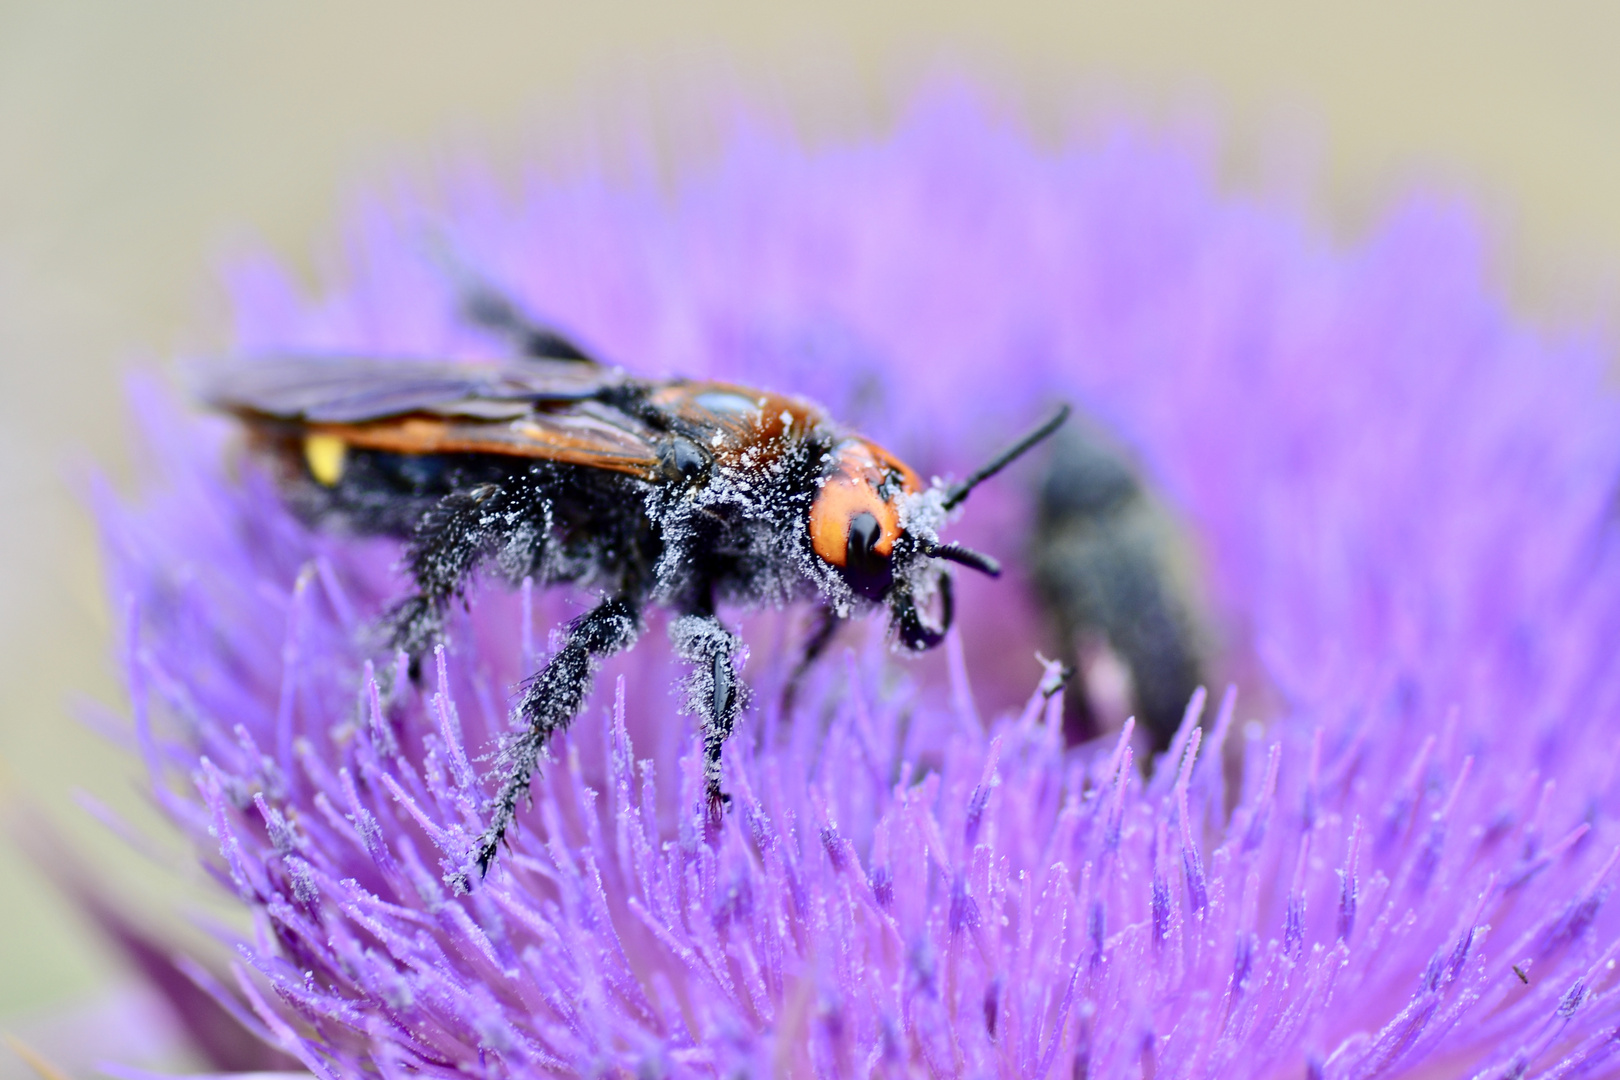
(581, 433)
(350, 389)
(536, 409)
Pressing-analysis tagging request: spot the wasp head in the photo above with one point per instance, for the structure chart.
(855, 517)
(875, 526)
(872, 523)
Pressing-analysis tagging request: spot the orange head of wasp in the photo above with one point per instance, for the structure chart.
(874, 525)
(855, 515)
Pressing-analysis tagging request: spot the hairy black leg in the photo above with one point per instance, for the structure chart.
(821, 636)
(549, 702)
(714, 694)
(465, 528)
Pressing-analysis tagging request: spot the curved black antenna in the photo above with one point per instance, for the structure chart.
(959, 491)
(965, 556)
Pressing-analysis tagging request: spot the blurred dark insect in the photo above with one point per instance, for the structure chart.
(1101, 554)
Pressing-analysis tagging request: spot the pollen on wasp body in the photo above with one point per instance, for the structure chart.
(554, 468)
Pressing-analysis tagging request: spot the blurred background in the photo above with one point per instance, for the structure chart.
(142, 145)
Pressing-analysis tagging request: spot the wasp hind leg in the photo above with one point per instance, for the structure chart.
(485, 306)
(715, 695)
(550, 700)
(461, 531)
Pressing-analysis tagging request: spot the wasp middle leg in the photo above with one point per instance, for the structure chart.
(550, 701)
(715, 694)
(826, 628)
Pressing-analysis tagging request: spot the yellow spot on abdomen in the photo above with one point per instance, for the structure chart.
(324, 455)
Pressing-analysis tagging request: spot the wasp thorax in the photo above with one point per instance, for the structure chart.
(855, 516)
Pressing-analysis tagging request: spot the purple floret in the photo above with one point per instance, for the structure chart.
(1391, 853)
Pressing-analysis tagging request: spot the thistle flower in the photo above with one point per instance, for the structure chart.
(1395, 861)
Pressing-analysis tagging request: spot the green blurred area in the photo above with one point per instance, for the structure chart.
(141, 144)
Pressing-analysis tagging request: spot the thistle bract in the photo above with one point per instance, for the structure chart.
(1391, 854)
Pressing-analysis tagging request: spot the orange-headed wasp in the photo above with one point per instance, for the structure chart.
(680, 493)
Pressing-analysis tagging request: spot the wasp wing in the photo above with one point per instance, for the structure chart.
(576, 433)
(352, 389)
(538, 409)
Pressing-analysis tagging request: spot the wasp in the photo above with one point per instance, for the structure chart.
(679, 493)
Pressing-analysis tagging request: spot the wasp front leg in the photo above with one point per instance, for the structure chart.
(714, 694)
(550, 700)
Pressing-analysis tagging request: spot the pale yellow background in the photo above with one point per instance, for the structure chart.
(141, 143)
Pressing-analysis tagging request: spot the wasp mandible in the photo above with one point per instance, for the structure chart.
(680, 493)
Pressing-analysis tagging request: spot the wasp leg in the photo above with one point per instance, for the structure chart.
(465, 528)
(826, 628)
(714, 693)
(549, 702)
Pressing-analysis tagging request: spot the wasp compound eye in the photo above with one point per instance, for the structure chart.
(867, 570)
(864, 534)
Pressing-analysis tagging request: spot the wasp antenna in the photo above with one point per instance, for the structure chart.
(964, 556)
(957, 492)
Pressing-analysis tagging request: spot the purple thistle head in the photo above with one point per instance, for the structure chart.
(1391, 853)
